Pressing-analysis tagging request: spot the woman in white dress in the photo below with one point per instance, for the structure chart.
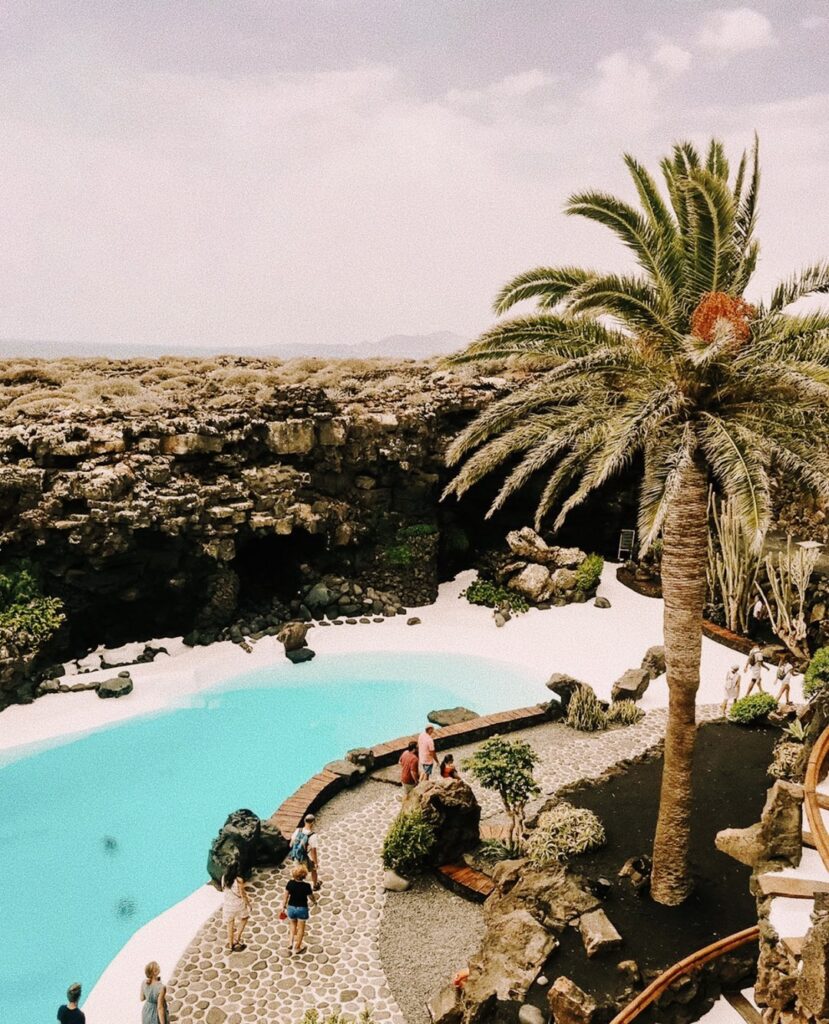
(235, 907)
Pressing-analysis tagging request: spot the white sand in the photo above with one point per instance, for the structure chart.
(594, 645)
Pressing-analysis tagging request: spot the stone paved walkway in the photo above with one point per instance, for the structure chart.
(343, 967)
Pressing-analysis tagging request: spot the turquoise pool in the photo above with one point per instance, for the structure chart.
(101, 834)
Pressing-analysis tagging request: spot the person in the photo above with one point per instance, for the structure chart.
(305, 849)
(69, 1013)
(758, 616)
(235, 907)
(409, 771)
(426, 751)
(755, 666)
(732, 687)
(153, 996)
(784, 677)
(448, 769)
(297, 894)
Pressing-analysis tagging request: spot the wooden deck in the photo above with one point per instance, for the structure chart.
(465, 881)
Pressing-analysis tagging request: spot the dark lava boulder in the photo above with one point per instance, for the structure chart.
(120, 686)
(236, 843)
(272, 847)
(451, 807)
(451, 716)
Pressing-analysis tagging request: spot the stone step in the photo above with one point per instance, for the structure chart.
(773, 884)
(745, 1009)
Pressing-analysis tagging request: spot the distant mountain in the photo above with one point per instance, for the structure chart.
(396, 346)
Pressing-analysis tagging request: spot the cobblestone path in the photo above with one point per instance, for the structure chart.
(342, 967)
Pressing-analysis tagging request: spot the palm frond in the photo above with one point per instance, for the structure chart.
(741, 470)
(666, 458)
(716, 162)
(563, 337)
(713, 255)
(631, 301)
(813, 280)
(746, 218)
(548, 284)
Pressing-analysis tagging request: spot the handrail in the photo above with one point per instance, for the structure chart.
(701, 956)
(814, 771)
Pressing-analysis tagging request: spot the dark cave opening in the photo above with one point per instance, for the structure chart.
(273, 566)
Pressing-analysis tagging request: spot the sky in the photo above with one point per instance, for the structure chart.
(259, 172)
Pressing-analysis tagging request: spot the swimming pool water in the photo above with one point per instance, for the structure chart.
(101, 834)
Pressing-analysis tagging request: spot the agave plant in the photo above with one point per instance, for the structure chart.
(672, 363)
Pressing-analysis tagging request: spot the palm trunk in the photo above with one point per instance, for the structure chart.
(684, 557)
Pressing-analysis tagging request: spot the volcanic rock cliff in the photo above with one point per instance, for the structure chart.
(152, 503)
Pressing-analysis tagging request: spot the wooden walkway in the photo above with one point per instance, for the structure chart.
(473, 885)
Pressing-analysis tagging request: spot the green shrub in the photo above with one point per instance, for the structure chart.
(624, 712)
(27, 618)
(749, 709)
(399, 554)
(585, 712)
(589, 573)
(795, 731)
(408, 843)
(788, 762)
(417, 530)
(335, 1017)
(817, 674)
(491, 595)
(492, 850)
(564, 832)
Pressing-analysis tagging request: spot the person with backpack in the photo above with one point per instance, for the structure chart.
(305, 849)
(754, 667)
(784, 677)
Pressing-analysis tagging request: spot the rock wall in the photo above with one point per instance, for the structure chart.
(151, 525)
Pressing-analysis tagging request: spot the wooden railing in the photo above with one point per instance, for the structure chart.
(696, 960)
(811, 797)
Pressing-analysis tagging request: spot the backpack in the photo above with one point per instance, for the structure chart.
(299, 846)
(755, 658)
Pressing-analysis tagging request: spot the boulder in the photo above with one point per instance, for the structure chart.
(300, 656)
(361, 756)
(272, 847)
(813, 981)
(450, 806)
(654, 661)
(535, 583)
(598, 933)
(527, 544)
(224, 851)
(353, 773)
(293, 634)
(529, 1014)
(776, 840)
(569, 1004)
(601, 602)
(564, 580)
(508, 962)
(568, 558)
(413, 621)
(563, 686)
(446, 1007)
(120, 686)
(451, 716)
(631, 685)
(236, 842)
(319, 596)
(392, 882)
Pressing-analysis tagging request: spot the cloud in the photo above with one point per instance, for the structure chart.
(622, 81)
(813, 22)
(736, 30)
(672, 58)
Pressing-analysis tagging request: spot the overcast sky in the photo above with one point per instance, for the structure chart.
(257, 172)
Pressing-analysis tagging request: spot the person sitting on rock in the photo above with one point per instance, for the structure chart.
(448, 769)
(755, 666)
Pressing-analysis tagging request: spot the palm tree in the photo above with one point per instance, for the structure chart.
(672, 363)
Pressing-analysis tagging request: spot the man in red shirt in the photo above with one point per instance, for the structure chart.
(409, 770)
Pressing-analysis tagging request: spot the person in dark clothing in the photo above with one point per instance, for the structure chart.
(69, 1012)
(297, 894)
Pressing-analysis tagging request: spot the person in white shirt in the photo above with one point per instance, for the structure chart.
(784, 677)
(755, 666)
(732, 688)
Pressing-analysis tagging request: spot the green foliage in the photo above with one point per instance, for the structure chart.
(507, 767)
(795, 731)
(589, 573)
(817, 674)
(408, 843)
(399, 554)
(749, 709)
(788, 762)
(335, 1017)
(416, 530)
(27, 618)
(491, 595)
(455, 540)
(492, 850)
(585, 712)
(564, 832)
(624, 712)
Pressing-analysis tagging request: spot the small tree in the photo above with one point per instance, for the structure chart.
(507, 767)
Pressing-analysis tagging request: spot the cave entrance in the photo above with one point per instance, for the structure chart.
(271, 567)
